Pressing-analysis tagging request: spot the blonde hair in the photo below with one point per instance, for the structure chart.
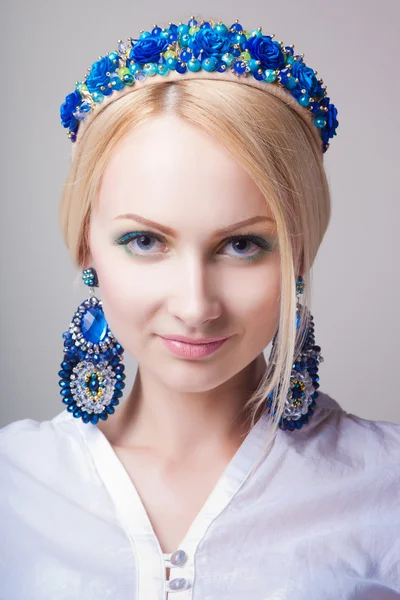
(277, 149)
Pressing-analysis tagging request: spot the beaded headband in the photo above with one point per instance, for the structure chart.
(205, 50)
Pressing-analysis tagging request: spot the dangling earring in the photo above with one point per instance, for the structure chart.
(304, 379)
(92, 374)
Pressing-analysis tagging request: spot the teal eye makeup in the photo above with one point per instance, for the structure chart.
(263, 245)
(148, 245)
(144, 244)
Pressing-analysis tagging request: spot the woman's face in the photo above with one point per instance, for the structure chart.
(190, 280)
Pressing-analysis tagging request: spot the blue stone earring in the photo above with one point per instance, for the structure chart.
(92, 374)
(304, 380)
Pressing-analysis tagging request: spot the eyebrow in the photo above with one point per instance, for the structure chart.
(171, 232)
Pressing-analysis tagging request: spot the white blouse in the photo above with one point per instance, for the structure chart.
(318, 519)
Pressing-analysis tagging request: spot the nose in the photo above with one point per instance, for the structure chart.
(194, 294)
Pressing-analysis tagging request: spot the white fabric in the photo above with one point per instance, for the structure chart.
(319, 519)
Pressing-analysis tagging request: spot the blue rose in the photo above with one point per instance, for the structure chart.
(148, 50)
(306, 76)
(268, 52)
(211, 42)
(331, 120)
(98, 74)
(68, 108)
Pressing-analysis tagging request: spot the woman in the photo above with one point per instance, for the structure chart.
(197, 206)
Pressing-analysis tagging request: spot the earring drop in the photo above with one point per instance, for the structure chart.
(304, 379)
(92, 374)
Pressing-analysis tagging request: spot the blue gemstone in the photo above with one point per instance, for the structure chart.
(64, 374)
(181, 67)
(116, 83)
(283, 76)
(236, 27)
(85, 107)
(94, 325)
(185, 56)
(221, 66)
(239, 67)
(68, 400)
(258, 75)
(93, 383)
(66, 392)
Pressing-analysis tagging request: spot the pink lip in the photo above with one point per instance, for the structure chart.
(197, 350)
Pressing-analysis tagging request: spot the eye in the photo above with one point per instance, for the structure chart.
(241, 244)
(143, 239)
(141, 243)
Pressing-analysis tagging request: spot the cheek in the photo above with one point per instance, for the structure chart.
(255, 304)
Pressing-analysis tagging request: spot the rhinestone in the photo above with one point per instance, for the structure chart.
(94, 325)
(122, 47)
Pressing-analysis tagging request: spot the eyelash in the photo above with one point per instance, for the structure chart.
(263, 245)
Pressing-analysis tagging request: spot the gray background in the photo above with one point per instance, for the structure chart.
(47, 46)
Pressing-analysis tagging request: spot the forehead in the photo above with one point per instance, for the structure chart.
(166, 164)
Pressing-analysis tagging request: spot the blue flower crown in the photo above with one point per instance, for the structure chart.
(206, 46)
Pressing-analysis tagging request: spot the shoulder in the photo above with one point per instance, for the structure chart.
(365, 439)
(344, 444)
(345, 477)
(37, 447)
(28, 431)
